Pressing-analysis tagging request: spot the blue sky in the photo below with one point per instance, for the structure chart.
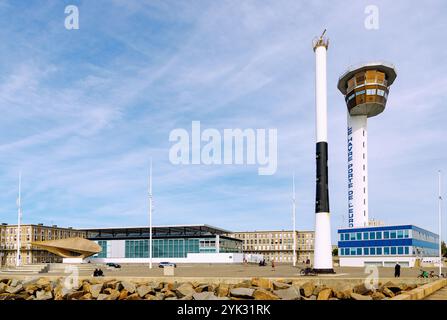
(84, 110)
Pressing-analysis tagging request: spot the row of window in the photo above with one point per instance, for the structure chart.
(277, 248)
(369, 92)
(375, 235)
(271, 235)
(273, 242)
(373, 251)
(424, 236)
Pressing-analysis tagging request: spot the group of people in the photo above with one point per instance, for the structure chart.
(98, 273)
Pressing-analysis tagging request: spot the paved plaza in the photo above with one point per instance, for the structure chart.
(240, 271)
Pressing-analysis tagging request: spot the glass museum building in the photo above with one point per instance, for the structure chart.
(177, 244)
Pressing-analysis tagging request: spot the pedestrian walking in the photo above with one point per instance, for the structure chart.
(273, 265)
(397, 270)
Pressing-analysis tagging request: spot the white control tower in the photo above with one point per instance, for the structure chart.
(366, 89)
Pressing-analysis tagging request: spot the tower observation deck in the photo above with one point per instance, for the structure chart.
(365, 88)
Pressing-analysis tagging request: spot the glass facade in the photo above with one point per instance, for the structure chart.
(177, 248)
(103, 245)
(383, 241)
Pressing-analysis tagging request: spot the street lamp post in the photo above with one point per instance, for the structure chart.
(440, 221)
(150, 216)
(19, 221)
(293, 219)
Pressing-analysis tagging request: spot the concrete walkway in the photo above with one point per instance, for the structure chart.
(438, 295)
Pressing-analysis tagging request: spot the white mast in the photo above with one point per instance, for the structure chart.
(19, 219)
(323, 247)
(150, 216)
(440, 221)
(293, 219)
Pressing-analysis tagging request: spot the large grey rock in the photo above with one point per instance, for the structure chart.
(307, 288)
(387, 292)
(280, 285)
(102, 296)
(342, 291)
(361, 289)
(74, 295)
(14, 283)
(292, 293)
(395, 288)
(378, 295)
(205, 295)
(14, 290)
(357, 296)
(185, 289)
(44, 295)
(129, 286)
(95, 290)
(242, 292)
(144, 290)
(263, 294)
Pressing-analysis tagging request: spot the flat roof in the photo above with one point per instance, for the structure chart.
(387, 227)
(158, 232)
(388, 68)
(175, 226)
(264, 231)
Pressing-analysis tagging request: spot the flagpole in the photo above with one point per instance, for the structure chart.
(19, 218)
(150, 216)
(440, 221)
(293, 219)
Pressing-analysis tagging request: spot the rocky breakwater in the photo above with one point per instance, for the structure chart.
(254, 289)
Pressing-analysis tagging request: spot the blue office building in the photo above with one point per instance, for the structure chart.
(385, 245)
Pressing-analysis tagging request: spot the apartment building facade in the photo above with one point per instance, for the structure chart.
(278, 245)
(30, 233)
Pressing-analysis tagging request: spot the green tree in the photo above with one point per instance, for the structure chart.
(443, 249)
(335, 252)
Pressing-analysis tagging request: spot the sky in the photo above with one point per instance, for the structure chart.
(83, 111)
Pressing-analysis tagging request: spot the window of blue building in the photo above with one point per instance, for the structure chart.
(393, 250)
(393, 235)
(400, 250)
(372, 235)
(386, 250)
(366, 251)
(386, 234)
(365, 235)
(372, 251)
(400, 234)
(359, 251)
(379, 235)
(407, 250)
(379, 251)
(359, 236)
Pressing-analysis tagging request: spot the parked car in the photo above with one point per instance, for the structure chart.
(114, 265)
(167, 264)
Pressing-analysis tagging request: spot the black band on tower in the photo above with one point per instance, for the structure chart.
(322, 194)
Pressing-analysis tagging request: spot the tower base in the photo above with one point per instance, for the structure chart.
(324, 271)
